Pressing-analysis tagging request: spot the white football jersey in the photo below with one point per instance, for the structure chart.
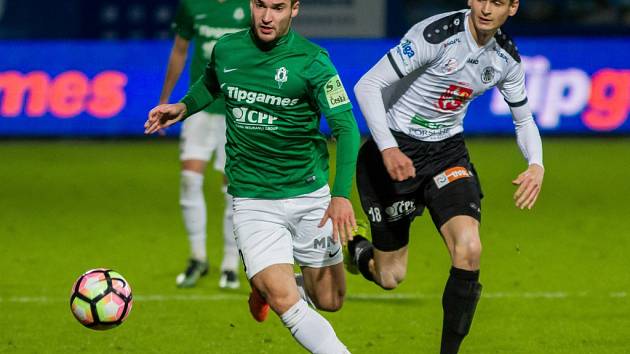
(444, 69)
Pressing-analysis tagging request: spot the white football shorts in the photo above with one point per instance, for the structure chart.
(279, 231)
(202, 135)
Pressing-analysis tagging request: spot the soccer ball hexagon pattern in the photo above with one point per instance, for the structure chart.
(101, 299)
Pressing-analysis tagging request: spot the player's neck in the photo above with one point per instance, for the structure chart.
(481, 37)
(265, 46)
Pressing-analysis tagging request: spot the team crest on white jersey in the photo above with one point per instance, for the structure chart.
(487, 75)
(282, 75)
(239, 14)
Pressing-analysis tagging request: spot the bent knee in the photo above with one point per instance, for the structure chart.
(329, 303)
(468, 254)
(389, 280)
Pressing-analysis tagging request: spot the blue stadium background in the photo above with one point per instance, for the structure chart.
(577, 56)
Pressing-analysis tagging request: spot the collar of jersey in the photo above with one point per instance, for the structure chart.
(469, 37)
(269, 46)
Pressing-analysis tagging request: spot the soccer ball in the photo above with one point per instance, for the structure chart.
(101, 299)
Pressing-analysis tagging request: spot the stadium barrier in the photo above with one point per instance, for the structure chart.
(94, 89)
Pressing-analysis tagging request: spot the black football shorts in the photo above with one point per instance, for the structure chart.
(446, 183)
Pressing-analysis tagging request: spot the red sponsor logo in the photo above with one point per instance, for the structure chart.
(454, 97)
(67, 95)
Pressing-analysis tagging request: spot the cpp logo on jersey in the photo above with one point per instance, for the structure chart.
(282, 76)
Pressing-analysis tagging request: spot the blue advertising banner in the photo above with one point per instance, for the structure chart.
(90, 89)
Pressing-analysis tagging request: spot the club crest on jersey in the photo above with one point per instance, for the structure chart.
(487, 75)
(239, 14)
(282, 75)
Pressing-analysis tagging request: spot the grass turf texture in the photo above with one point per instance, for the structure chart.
(555, 278)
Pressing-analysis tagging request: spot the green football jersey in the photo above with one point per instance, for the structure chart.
(204, 22)
(275, 95)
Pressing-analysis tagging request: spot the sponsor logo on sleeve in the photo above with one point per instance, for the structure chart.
(406, 51)
(335, 92)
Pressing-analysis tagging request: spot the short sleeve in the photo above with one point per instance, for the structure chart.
(512, 87)
(183, 24)
(412, 53)
(326, 87)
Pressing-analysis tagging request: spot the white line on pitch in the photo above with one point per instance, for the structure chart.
(386, 296)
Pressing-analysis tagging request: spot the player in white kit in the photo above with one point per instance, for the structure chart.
(417, 157)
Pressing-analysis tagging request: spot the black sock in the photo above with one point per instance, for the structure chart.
(459, 302)
(364, 262)
(364, 252)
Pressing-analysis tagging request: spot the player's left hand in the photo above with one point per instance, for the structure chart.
(163, 116)
(341, 214)
(529, 184)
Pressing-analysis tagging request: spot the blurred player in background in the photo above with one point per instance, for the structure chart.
(417, 157)
(204, 22)
(276, 85)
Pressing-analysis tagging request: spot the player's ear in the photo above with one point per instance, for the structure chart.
(514, 7)
(470, 3)
(295, 8)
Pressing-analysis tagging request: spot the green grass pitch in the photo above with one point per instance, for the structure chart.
(556, 279)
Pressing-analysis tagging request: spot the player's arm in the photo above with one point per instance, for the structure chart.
(184, 28)
(368, 92)
(528, 139)
(346, 132)
(200, 95)
(176, 63)
(411, 54)
(327, 90)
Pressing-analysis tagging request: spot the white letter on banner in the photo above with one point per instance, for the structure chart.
(577, 86)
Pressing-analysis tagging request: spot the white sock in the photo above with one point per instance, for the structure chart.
(312, 330)
(230, 251)
(193, 204)
(299, 280)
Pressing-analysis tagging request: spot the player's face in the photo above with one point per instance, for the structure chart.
(271, 19)
(488, 15)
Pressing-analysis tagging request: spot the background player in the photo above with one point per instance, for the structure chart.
(203, 21)
(418, 158)
(276, 84)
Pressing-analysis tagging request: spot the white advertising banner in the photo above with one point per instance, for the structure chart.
(342, 18)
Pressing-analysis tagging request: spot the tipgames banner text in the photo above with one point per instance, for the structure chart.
(82, 89)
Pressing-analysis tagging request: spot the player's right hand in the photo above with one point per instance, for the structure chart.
(163, 116)
(398, 165)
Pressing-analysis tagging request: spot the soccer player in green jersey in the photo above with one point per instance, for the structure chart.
(276, 84)
(203, 134)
